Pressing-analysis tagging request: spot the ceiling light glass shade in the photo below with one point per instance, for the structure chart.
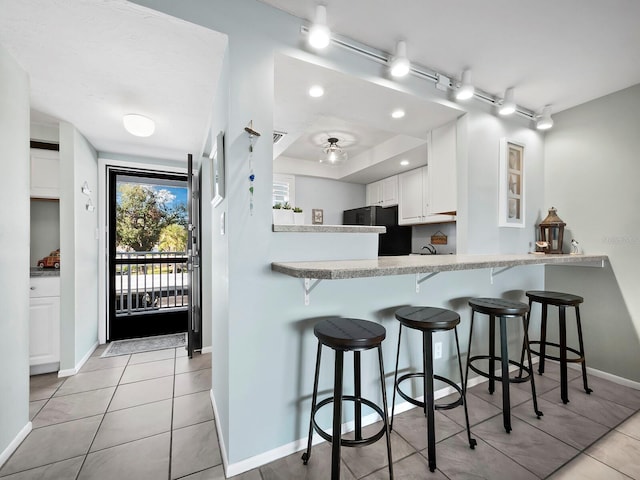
(316, 91)
(508, 106)
(400, 65)
(138, 125)
(333, 154)
(545, 122)
(319, 33)
(465, 90)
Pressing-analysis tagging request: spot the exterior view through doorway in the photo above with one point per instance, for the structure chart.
(149, 274)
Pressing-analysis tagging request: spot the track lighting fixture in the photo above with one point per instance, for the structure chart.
(544, 120)
(465, 89)
(399, 64)
(508, 106)
(319, 33)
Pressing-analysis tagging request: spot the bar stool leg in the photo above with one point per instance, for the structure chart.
(358, 394)
(581, 343)
(307, 455)
(337, 417)
(504, 354)
(526, 327)
(543, 338)
(492, 354)
(564, 387)
(395, 380)
(533, 383)
(472, 441)
(386, 413)
(466, 370)
(427, 355)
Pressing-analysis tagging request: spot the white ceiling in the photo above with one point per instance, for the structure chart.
(561, 53)
(90, 62)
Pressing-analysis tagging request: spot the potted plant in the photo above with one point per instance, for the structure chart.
(282, 214)
(298, 216)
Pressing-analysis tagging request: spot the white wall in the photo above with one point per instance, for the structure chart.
(14, 254)
(332, 196)
(78, 248)
(591, 177)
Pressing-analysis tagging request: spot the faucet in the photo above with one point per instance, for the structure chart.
(430, 248)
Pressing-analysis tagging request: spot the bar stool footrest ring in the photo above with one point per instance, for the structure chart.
(441, 406)
(345, 442)
(579, 359)
(499, 377)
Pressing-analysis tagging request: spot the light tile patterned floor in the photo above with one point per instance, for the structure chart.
(149, 416)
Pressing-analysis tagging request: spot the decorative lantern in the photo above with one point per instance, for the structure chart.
(551, 232)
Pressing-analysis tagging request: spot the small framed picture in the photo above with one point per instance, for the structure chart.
(511, 184)
(317, 216)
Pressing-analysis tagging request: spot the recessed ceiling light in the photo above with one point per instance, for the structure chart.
(138, 125)
(399, 113)
(316, 91)
(404, 163)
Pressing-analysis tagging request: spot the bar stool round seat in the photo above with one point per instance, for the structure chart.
(562, 301)
(498, 308)
(429, 320)
(348, 335)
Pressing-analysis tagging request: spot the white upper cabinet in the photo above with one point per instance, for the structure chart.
(442, 184)
(45, 173)
(383, 192)
(414, 200)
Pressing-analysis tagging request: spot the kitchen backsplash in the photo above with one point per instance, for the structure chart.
(421, 236)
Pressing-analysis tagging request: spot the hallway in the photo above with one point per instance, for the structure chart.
(148, 416)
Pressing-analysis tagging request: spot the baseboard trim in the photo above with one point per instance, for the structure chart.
(223, 448)
(607, 376)
(15, 443)
(208, 349)
(72, 371)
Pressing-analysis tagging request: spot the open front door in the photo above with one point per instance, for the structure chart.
(194, 337)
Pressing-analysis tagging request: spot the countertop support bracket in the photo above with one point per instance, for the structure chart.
(420, 279)
(497, 271)
(308, 286)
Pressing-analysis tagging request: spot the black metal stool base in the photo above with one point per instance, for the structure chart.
(437, 406)
(493, 376)
(345, 442)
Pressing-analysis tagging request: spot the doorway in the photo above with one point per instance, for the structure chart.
(148, 275)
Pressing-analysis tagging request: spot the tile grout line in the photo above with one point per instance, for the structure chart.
(84, 460)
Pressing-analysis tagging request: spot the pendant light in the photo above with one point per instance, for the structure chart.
(333, 154)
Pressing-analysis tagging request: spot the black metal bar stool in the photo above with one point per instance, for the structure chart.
(503, 309)
(562, 301)
(429, 320)
(345, 335)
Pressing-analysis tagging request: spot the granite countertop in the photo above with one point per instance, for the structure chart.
(328, 229)
(44, 272)
(411, 264)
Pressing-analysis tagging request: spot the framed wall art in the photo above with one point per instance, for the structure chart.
(511, 202)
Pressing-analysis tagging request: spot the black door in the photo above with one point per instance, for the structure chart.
(148, 274)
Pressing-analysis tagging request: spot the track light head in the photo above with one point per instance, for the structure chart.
(544, 120)
(319, 33)
(508, 105)
(399, 64)
(465, 89)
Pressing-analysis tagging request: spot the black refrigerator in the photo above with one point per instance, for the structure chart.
(397, 240)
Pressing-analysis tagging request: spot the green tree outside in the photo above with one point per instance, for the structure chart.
(173, 238)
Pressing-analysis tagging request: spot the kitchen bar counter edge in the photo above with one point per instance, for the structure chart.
(413, 264)
(329, 229)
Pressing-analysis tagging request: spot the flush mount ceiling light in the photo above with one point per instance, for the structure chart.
(508, 106)
(138, 125)
(316, 91)
(333, 153)
(319, 33)
(399, 113)
(404, 163)
(544, 121)
(399, 64)
(465, 89)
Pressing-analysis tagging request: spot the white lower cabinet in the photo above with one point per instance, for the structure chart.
(44, 324)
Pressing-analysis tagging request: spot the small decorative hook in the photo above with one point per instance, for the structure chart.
(250, 130)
